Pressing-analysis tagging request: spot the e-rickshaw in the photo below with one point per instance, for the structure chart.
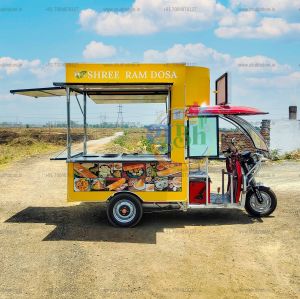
(130, 182)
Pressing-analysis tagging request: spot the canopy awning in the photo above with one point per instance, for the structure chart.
(41, 92)
(223, 110)
(105, 93)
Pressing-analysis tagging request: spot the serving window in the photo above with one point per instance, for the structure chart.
(145, 125)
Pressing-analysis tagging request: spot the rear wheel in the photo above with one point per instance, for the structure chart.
(257, 209)
(124, 210)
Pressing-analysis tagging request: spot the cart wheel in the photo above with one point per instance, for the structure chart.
(267, 207)
(125, 210)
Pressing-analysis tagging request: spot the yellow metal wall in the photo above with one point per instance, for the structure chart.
(190, 87)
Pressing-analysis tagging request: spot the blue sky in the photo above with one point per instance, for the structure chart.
(257, 41)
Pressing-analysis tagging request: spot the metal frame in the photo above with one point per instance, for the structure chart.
(84, 125)
(69, 88)
(233, 119)
(69, 145)
(83, 110)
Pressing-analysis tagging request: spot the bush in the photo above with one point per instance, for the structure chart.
(275, 155)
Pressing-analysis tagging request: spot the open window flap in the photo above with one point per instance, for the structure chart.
(121, 93)
(105, 93)
(44, 92)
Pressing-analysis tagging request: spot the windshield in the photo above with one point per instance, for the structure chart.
(251, 131)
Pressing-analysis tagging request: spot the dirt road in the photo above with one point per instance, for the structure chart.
(94, 146)
(51, 249)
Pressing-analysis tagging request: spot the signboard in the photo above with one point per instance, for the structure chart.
(112, 73)
(222, 90)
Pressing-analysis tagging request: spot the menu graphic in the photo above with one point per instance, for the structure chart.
(138, 176)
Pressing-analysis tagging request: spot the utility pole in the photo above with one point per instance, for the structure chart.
(120, 120)
(102, 119)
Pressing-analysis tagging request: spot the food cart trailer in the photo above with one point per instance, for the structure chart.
(129, 182)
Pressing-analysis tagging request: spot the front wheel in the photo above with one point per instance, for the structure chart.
(257, 209)
(125, 210)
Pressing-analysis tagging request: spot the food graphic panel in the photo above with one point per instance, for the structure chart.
(132, 176)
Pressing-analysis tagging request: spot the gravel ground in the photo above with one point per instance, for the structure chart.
(52, 249)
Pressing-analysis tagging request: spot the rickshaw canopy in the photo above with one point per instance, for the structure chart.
(224, 110)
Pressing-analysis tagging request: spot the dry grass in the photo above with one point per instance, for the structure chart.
(138, 140)
(12, 153)
(20, 143)
(276, 155)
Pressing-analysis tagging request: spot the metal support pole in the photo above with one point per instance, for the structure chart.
(231, 188)
(207, 181)
(68, 124)
(223, 179)
(84, 125)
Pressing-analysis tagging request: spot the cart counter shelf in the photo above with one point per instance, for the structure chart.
(119, 158)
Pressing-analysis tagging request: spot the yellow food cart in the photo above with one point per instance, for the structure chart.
(129, 182)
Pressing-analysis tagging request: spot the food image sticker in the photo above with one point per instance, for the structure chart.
(113, 184)
(161, 183)
(151, 169)
(92, 167)
(81, 185)
(149, 179)
(167, 169)
(149, 187)
(82, 171)
(97, 184)
(139, 185)
(134, 170)
(117, 166)
(174, 184)
(105, 170)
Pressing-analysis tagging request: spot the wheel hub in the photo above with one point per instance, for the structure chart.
(124, 211)
(262, 207)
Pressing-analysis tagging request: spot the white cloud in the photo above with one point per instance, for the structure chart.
(189, 53)
(48, 71)
(95, 50)
(266, 28)
(145, 17)
(110, 23)
(255, 19)
(259, 64)
(288, 81)
(237, 20)
(86, 17)
(199, 54)
(11, 66)
(268, 7)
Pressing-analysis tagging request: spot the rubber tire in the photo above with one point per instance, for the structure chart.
(254, 213)
(114, 200)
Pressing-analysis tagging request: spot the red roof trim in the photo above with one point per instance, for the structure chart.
(223, 110)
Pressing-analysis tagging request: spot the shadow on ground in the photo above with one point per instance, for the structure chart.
(88, 222)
